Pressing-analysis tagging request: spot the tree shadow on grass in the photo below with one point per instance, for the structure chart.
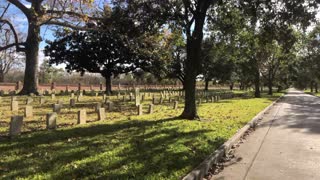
(123, 150)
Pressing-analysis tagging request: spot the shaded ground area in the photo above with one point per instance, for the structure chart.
(285, 146)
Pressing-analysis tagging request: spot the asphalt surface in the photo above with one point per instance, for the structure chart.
(285, 146)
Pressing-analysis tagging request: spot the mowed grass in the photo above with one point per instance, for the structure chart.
(308, 91)
(124, 146)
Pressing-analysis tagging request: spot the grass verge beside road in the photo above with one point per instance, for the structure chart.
(156, 146)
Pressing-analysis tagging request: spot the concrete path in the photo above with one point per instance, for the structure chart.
(285, 146)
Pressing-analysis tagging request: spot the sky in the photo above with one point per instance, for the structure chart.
(20, 23)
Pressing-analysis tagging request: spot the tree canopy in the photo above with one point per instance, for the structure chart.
(107, 53)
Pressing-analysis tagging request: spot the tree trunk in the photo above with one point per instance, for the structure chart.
(192, 66)
(316, 87)
(30, 83)
(257, 84)
(1, 76)
(190, 109)
(231, 87)
(279, 89)
(311, 86)
(194, 36)
(206, 87)
(270, 84)
(108, 84)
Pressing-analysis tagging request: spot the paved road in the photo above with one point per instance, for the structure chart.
(285, 146)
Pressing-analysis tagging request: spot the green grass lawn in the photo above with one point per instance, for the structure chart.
(125, 146)
(308, 91)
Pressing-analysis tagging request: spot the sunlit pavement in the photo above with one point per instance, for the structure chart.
(285, 146)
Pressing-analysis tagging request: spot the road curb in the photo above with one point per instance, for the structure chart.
(202, 169)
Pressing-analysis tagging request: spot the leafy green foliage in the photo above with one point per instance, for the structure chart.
(306, 66)
(274, 25)
(106, 53)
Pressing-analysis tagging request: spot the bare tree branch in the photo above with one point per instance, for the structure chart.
(19, 49)
(16, 39)
(5, 10)
(8, 57)
(20, 6)
(72, 13)
(75, 27)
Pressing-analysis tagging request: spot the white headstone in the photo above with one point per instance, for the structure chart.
(15, 125)
(51, 120)
(28, 111)
(82, 116)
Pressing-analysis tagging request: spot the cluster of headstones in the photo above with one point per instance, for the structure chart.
(164, 95)
(11, 93)
(150, 87)
(228, 95)
(213, 97)
(127, 88)
(67, 92)
(51, 118)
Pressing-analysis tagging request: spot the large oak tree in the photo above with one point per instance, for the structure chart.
(108, 53)
(63, 13)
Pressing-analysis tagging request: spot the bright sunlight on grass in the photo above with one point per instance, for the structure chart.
(156, 146)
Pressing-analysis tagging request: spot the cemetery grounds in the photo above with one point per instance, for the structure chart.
(124, 145)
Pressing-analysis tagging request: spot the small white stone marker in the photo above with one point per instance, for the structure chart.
(78, 98)
(28, 111)
(82, 116)
(57, 108)
(29, 100)
(14, 106)
(101, 114)
(110, 106)
(15, 125)
(60, 102)
(97, 107)
(72, 102)
(151, 108)
(161, 100)
(175, 105)
(52, 120)
(42, 100)
(139, 108)
(137, 96)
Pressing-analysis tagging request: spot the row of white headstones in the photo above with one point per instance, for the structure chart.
(16, 122)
